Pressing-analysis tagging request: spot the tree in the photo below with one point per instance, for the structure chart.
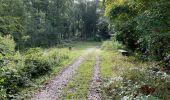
(141, 25)
(12, 18)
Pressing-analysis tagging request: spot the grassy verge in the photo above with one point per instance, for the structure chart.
(106, 68)
(129, 78)
(114, 64)
(78, 87)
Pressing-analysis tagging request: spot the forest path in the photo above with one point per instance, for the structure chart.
(94, 91)
(54, 89)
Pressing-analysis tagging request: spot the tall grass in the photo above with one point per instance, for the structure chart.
(128, 78)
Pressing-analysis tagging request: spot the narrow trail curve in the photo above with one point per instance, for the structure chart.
(54, 89)
(94, 91)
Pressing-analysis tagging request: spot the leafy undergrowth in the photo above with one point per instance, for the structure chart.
(58, 59)
(111, 45)
(127, 78)
(21, 74)
(78, 87)
(26, 73)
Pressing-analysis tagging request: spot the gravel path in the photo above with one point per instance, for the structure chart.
(94, 91)
(54, 89)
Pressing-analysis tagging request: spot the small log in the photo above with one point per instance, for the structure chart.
(124, 52)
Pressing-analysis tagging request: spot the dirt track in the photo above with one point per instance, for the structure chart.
(94, 92)
(54, 89)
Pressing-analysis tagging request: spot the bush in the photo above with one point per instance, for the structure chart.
(36, 67)
(111, 45)
(17, 71)
(53, 57)
(33, 52)
(9, 77)
(7, 49)
(7, 43)
(38, 63)
(10, 81)
(35, 63)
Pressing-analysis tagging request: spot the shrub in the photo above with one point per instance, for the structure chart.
(36, 67)
(38, 63)
(10, 79)
(111, 45)
(16, 70)
(7, 44)
(64, 55)
(35, 63)
(33, 52)
(53, 57)
(10, 82)
(7, 49)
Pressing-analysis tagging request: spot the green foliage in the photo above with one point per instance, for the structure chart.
(10, 77)
(137, 83)
(7, 44)
(103, 29)
(141, 25)
(46, 23)
(130, 78)
(35, 67)
(86, 18)
(166, 63)
(33, 52)
(35, 64)
(10, 81)
(11, 19)
(39, 63)
(111, 45)
(7, 49)
(53, 57)
(18, 70)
